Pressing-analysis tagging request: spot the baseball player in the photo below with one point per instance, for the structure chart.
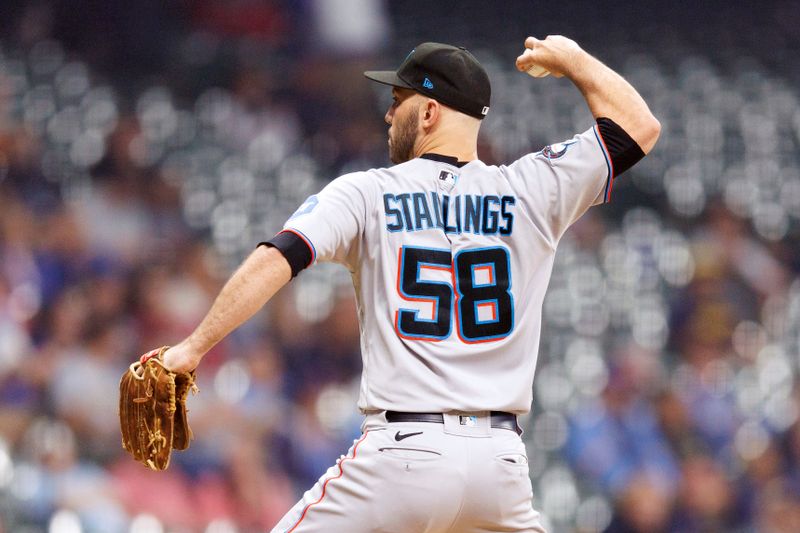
(450, 260)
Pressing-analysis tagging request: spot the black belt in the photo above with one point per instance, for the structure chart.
(498, 419)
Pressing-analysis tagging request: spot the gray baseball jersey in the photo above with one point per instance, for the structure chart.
(450, 266)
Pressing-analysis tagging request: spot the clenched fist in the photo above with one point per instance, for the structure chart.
(555, 55)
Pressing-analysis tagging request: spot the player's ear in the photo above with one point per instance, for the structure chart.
(430, 113)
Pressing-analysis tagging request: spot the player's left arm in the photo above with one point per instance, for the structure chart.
(258, 278)
(608, 95)
(324, 227)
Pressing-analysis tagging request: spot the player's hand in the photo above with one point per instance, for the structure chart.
(179, 359)
(555, 54)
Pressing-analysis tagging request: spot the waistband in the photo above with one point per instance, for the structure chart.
(498, 419)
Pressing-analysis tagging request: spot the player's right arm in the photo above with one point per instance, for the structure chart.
(606, 92)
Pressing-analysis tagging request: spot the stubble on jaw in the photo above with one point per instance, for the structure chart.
(404, 137)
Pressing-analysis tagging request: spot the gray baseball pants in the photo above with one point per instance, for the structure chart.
(418, 477)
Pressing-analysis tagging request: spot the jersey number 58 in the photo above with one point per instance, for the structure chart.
(481, 306)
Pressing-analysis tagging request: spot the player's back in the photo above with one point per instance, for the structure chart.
(450, 264)
(449, 271)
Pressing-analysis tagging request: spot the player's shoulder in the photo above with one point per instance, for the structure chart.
(408, 170)
(362, 179)
(366, 184)
(382, 172)
(554, 153)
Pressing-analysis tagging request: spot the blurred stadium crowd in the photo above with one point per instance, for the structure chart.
(144, 150)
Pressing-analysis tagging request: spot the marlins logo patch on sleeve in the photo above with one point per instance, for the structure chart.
(555, 151)
(307, 206)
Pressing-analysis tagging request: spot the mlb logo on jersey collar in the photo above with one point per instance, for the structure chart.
(447, 180)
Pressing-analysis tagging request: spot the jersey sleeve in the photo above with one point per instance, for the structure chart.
(560, 182)
(331, 222)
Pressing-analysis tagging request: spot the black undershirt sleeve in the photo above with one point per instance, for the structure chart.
(293, 248)
(622, 149)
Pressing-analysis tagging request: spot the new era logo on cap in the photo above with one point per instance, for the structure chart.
(427, 84)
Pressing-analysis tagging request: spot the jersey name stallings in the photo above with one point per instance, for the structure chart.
(463, 213)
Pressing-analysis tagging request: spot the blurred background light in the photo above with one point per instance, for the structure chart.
(65, 522)
(559, 495)
(6, 465)
(593, 515)
(222, 526)
(550, 431)
(232, 381)
(146, 523)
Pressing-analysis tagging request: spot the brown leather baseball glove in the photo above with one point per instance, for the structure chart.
(152, 410)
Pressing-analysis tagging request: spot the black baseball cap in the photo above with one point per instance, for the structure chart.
(448, 74)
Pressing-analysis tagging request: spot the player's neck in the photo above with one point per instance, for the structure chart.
(461, 147)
